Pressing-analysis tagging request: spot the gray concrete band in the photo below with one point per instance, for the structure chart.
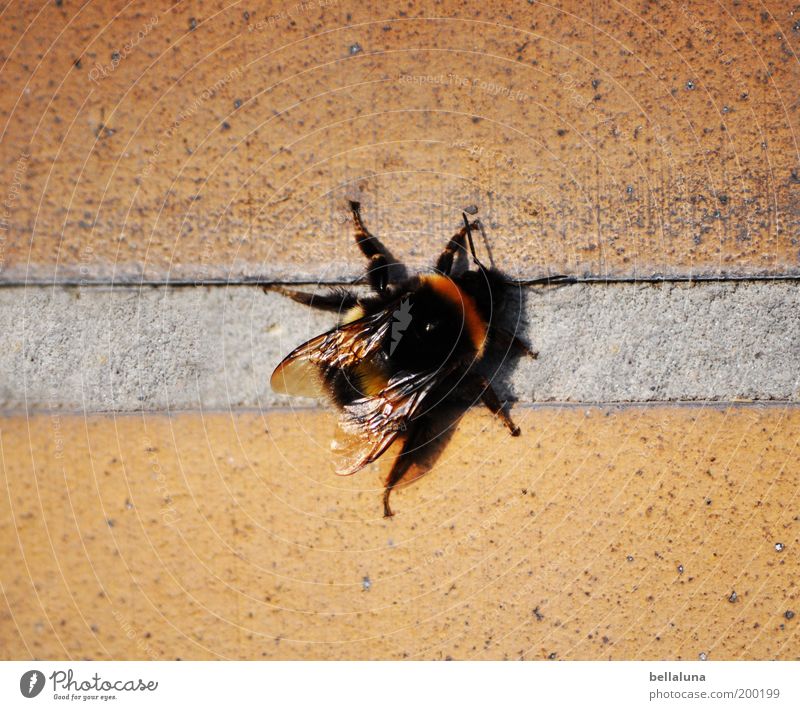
(156, 348)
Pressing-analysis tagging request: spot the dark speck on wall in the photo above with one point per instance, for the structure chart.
(690, 85)
(226, 126)
(789, 614)
(192, 24)
(355, 48)
(237, 103)
(733, 597)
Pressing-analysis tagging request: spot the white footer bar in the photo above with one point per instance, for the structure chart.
(400, 685)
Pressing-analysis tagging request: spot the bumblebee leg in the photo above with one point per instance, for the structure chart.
(445, 261)
(492, 401)
(339, 301)
(509, 340)
(557, 280)
(400, 465)
(399, 468)
(378, 273)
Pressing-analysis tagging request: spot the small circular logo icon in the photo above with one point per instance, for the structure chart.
(31, 683)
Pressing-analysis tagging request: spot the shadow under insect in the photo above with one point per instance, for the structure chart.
(406, 361)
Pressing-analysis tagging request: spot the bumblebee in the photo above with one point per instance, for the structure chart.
(398, 354)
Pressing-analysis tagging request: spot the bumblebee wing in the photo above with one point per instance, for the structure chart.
(370, 425)
(301, 371)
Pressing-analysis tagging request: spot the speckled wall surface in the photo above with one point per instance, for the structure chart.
(625, 533)
(217, 140)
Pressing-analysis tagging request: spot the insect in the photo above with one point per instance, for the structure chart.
(399, 353)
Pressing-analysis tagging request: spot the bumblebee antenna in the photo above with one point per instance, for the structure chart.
(469, 239)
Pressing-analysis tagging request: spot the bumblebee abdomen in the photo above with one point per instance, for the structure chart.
(364, 379)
